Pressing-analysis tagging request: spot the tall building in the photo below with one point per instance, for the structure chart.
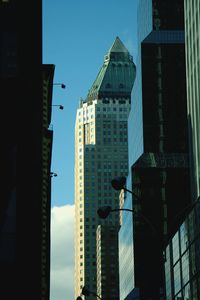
(192, 31)
(158, 148)
(26, 93)
(101, 153)
(182, 266)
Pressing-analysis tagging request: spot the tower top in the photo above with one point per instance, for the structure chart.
(116, 77)
(118, 46)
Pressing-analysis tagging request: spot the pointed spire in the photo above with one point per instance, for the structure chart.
(118, 46)
(114, 74)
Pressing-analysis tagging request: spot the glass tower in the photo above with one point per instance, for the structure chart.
(101, 153)
(157, 143)
(182, 264)
(192, 31)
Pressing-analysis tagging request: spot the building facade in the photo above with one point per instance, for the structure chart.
(26, 91)
(158, 143)
(192, 31)
(182, 266)
(101, 153)
(107, 262)
(47, 143)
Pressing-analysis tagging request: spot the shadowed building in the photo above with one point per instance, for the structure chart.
(101, 152)
(26, 91)
(182, 267)
(192, 32)
(158, 147)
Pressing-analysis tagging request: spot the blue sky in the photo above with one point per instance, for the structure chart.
(76, 36)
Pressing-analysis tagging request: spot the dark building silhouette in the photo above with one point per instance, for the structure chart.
(158, 144)
(192, 31)
(26, 91)
(182, 266)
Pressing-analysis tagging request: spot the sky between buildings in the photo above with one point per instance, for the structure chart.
(76, 36)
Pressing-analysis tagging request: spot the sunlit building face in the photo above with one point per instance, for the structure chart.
(101, 153)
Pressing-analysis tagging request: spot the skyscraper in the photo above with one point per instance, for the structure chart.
(182, 266)
(101, 152)
(158, 147)
(192, 31)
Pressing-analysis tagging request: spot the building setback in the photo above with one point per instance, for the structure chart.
(158, 145)
(101, 153)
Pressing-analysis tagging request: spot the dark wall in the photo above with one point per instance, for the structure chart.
(164, 98)
(162, 9)
(157, 187)
(21, 94)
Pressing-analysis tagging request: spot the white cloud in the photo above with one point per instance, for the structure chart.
(62, 253)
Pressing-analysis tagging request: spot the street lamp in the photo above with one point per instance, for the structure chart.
(52, 174)
(118, 183)
(63, 86)
(86, 292)
(104, 211)
(60, 106)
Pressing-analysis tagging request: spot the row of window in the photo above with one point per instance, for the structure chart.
(105, 116)
(104, 109)
(106, 132)
(105, 141)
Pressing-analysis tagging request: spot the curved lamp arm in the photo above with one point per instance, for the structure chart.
(118, 183)
(104, 211)
(87, 292)
(143, 216)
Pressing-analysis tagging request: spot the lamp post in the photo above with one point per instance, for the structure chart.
(118, 183)
(60, 106)
(103, 212)
(87, 292)
(52, 174)
(63, 86)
